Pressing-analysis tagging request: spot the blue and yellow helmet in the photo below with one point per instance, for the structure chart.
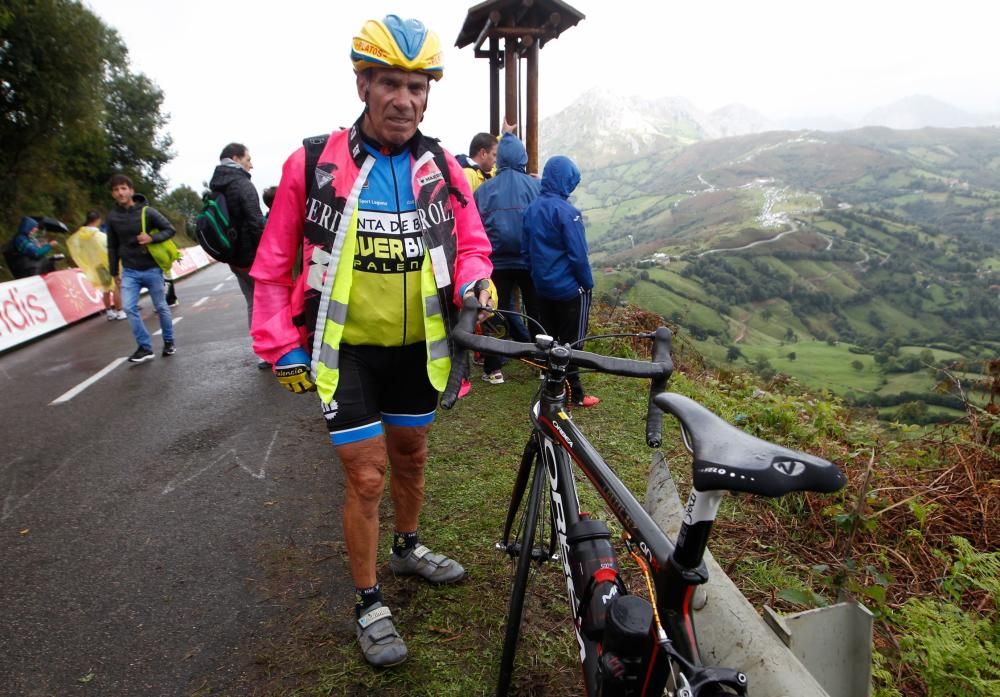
(393, 42)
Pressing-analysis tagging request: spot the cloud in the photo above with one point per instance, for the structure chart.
(269, 74)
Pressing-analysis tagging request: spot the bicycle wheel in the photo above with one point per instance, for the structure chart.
(527, 530)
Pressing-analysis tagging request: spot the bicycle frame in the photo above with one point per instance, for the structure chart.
(562, 444)
(724, 458)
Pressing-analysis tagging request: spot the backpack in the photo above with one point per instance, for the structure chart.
(314, 148)
(214, 229)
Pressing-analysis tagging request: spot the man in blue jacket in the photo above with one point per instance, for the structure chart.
(502, 200)
(26, 253)
(557, 249)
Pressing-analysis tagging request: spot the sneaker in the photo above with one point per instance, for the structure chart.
(380, 643)
(175, 303)
(111, 315)
(169, 348)
(464, 388)
(494, 378)
(141, 355)
(120, 314)
(263, 365)
(422, 562)
(588, 401)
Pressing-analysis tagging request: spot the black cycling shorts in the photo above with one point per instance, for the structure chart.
(380, 384)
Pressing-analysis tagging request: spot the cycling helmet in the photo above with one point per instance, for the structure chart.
(393, 42)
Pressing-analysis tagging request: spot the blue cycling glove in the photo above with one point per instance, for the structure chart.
(292, 371)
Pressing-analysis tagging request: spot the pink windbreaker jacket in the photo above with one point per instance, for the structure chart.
(285, 308)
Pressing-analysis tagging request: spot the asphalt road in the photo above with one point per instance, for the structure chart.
(137, 511)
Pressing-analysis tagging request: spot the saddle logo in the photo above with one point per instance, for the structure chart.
(790, 468)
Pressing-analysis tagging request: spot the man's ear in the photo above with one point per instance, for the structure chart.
(362, 80)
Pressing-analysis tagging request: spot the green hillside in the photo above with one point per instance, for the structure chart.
(783, 242)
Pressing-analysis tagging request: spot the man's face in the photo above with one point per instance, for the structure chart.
(487, 158)
(244, 161)
(396, 101)
(122, 194)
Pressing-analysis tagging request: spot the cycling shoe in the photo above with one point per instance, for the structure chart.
(422, 562)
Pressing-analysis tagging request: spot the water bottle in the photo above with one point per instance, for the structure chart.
(627, 640)
(595, 572)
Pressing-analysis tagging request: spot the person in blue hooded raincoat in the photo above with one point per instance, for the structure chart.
(501, 201)
(26, 254)
(556, 241)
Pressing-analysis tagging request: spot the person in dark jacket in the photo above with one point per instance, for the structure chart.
(127, 247)
(26, 254)
(557, 250)
(232, 178)
(502, 200)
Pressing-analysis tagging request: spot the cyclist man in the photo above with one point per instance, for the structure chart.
(390, 246)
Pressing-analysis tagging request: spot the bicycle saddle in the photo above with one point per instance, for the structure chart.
(728, 459)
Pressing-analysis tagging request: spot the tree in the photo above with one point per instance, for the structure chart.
(791, 355)
(857, 365)
(71, 112)
(733, 353)
(183, 204)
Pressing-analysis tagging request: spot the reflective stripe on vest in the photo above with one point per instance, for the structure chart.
(336, 289)
(438, 355)
(327, 364)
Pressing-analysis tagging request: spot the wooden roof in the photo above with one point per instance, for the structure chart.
(544, 19)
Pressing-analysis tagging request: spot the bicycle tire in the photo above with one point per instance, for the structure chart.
(532, 507)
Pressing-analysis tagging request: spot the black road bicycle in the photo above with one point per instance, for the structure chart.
(628, 645)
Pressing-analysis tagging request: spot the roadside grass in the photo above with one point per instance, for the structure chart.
(454, 633)
(883, 540)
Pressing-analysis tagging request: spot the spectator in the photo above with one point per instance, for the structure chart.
(268, 196)
(232, 178)
(27, 253)
(557, 249)
(478, 164)
(381, 313)
(127, 246)
(89, 248)
(501, 201)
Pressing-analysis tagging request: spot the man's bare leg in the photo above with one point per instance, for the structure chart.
(364, 464)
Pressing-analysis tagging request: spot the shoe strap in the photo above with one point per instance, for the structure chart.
(420, 551)
(375, 615)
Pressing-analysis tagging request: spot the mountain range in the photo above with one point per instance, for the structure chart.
(602, 127)
(746, 234)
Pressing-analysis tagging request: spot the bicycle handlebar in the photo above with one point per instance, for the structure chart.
(658, 370)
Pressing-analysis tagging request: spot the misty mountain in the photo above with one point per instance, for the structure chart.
(746, 235)
(920, 111)
(602, 127)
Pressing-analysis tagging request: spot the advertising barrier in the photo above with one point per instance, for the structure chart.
(31, 307)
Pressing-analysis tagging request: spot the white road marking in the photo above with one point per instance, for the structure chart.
(160, 331)
(200, 302)
(89, 381)
(229, 456)
(218, 287)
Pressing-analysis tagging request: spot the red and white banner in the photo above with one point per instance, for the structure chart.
(30, 307)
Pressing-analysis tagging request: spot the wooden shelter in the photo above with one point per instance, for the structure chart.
(524, 26)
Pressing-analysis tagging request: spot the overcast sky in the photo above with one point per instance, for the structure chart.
(269, 73)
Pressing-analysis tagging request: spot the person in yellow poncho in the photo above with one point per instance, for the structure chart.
(89, 248)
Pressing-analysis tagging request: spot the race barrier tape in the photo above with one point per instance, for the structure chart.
(37, 305)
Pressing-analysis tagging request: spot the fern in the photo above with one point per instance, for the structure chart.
(956, 652)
